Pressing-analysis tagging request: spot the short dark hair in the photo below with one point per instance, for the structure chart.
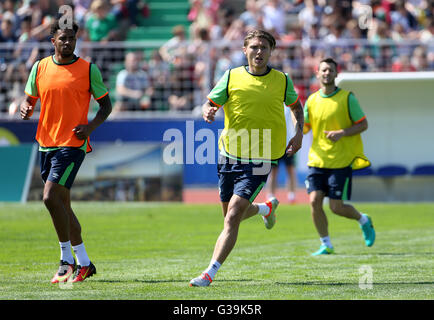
(260, 34)
(56, 26)
(330, 60)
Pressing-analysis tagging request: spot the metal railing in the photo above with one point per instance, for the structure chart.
(179, 85)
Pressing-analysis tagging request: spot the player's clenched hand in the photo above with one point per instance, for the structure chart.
(294, 144)
(334, 135)
(26, 111)
(208, 112)
(82, 131)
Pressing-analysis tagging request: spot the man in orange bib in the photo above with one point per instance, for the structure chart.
(65, 83)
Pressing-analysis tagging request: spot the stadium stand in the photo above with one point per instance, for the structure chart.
(391, 36)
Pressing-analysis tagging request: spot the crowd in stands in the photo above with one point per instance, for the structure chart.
(363, 35)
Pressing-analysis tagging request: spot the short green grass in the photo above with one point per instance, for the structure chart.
(150, 251)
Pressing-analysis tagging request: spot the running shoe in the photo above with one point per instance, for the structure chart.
(204, 280)
(368, 231)
(323, 250)
(82, 273)
(270, 219)
(64, 272)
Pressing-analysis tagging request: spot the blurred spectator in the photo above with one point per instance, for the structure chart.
(398, 32)
(7, 41)
(252, 16)
(419, 60)
(352, 30)
(6, 37)
(9, 13)
(336, 31)
(159, 74)
(25, 55)
(200, 49)
(403, 17)
(132, 86)
(31, 8)
(310, 15)
(402, 64)
(168, 49)
(181, 70)
(225, 17)
(182, 81)
(7, 34)
(204, 13)
(381, 10)
(295, 32)
(274, 20)
(224, 62)
(427, 34)
(101, 25)
(236, 31)
(81, 9)
(126, 10)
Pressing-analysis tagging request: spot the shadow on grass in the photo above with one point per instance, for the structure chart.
(316, 283)
(160, 281)
(404, 253)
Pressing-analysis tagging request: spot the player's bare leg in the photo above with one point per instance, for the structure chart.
(228, 237)
(344, 210)
(53, 195)
(319, 217)
(233, 212)
(74, 224)
(348, 211)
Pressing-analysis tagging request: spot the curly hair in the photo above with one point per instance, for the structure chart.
(56, 26)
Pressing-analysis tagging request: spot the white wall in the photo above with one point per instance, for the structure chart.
(400, 113)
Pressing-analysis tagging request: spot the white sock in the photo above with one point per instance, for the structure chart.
(291, 196)
(326, 241)
(263, 209)
(81, 255)
(212, 269)
(363, 219)
(65, 252)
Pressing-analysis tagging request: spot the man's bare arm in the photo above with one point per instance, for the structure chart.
(298, 118)
(83, 131)
(27, 107)
(350, 131)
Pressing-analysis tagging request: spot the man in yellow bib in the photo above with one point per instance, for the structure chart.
(336, 120)
(254, 137)
(65, 83)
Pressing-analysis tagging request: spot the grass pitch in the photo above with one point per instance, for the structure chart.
(151, 251)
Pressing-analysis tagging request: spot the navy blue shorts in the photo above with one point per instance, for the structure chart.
(288, 161)
(61, 165)
(335, 183)
(243, 179)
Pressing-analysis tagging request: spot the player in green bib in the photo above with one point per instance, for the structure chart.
(253, 98)
(336, 120)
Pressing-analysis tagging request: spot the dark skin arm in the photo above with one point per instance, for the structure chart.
(82, 131)
(27, 107)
